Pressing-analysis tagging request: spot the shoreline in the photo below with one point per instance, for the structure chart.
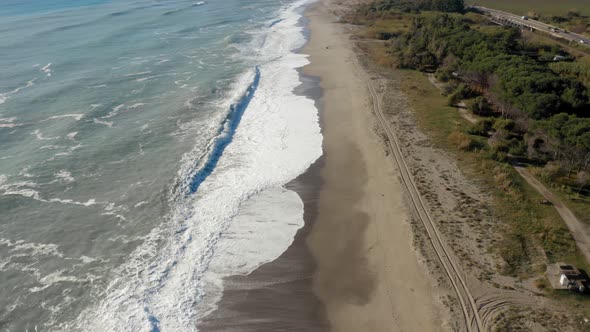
(256, 302)
(353, 266)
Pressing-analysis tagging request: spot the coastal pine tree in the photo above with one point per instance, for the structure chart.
(449, 6)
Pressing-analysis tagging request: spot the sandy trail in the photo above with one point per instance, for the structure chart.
(579, 230)
(368, 274)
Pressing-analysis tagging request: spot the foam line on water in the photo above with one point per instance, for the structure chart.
(225, 134)
(164, 281)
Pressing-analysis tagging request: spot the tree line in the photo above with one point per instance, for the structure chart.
(543, 108)
(407, 6)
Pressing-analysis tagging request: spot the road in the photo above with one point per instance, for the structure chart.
(505, 18)
(579, 230)
(469, 307)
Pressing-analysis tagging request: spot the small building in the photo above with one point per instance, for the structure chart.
(567, 276)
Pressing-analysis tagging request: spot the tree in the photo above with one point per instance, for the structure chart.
(582, 179)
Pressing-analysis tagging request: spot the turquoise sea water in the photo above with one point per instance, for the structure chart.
(124, 126)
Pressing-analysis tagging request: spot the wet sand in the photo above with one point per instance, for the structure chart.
(278, 296)
(352, 267)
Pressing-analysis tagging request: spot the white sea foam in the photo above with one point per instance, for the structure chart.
(64, 176)
(50, 147)
(142, 203)
(144, 78)
(278, 139)
(40, 136)
(9, 125)
(138, 74)
(47, 69)
(24, 172)
(8, 122)
(4, 96)
(69, 151)
(76, 116)
(102, 122)
(111, 114)
(270, 218)
(29, 189)
(136, 105)
(33, 249)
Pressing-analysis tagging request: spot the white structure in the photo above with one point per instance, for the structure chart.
(563, 280)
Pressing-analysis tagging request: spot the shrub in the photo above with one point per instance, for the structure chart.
(517, 147)
(461, 92)
(463, 142)
(503, 178)
(443, 75)
(480, 106)
(552, 171)
(481, 128)
(504, 125)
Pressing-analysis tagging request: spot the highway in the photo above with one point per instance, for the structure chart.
(505, 18)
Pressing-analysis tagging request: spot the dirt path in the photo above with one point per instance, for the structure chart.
(461, 107)
(473, 321)
(580, 231)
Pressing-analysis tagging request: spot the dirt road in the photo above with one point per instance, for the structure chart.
(580, 231)
(473, 321)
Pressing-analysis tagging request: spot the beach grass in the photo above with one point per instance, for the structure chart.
(532, 234)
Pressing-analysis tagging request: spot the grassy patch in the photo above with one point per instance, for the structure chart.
(530, 231)
(568, 193)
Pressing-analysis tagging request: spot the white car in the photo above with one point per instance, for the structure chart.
(582, 41)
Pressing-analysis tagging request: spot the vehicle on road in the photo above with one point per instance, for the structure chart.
(525, 18)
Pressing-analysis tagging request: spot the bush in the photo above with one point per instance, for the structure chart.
(504, 125)
(461, 92)
(481, 128)
(552, 171)
(480, 106)
(443, 75)
(517, 147)
(498, 155)
(503, 177)
(463, 142)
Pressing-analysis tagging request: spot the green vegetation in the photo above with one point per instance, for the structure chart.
(530, 230)
(540, 110)
(488, 63)
(405, 6)
(532, 109)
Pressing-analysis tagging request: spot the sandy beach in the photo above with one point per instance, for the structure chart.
(353, 266)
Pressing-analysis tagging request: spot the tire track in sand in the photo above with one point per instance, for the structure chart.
(469, 308)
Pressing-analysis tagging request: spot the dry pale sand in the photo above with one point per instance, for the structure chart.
(368, 274)
(352, 267)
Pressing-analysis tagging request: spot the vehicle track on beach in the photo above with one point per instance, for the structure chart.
(473, 320)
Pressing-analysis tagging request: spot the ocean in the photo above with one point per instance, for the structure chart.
(144, 149)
